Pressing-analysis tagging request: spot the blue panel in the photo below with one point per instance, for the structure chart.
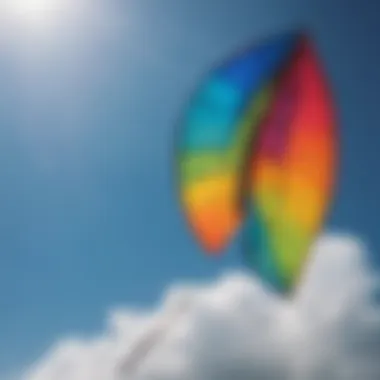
(212, 117)
(257, 64)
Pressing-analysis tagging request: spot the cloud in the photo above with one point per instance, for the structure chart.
(234, 329)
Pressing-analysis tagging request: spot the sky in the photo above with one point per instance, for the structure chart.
(91, 92)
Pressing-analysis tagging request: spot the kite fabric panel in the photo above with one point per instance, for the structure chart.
(217, 129)
(291, 172)
(257, 150)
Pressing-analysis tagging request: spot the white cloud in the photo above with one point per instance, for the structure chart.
(235, 329)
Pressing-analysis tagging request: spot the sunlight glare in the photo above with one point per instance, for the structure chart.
(33, 11)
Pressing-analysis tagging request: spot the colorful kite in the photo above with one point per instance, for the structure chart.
(257, 152)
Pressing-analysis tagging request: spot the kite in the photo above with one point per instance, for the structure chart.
(256, 153)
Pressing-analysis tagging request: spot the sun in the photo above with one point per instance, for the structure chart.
(33, 11)
(31, 6)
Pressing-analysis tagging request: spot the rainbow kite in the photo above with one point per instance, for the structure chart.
(257, 153)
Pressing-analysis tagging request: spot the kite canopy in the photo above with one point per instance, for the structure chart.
(257, 151)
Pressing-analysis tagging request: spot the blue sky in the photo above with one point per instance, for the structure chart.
(89, 218)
